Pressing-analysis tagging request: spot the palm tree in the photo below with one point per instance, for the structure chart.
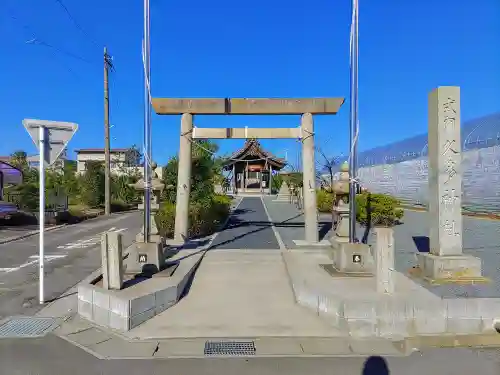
(19, 159)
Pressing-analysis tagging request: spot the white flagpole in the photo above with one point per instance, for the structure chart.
(147, 125)
(354, 125)
(41, 214)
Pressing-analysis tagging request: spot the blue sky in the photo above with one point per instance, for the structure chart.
(279, 48)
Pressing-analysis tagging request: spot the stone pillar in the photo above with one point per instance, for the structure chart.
(446, 260)
(309, 175)
(384, 259)
(270, 180)
(445, 178)
(112, 260)
(184, 179)
(245, 178)
(234, 178)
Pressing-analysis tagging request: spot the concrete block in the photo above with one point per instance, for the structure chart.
(85, 309)
(119, 306)
(143, 255)
(85, 293)
(430, 318)
(134, 321)
(489, 310)
(100, 315)
(166, 296)
(141, 304)
(394, 318)
(354, 257)
(332, 308)
(384, 260)
(449, 267)
(463, 316)
(161, 308)
(118, 322)
(100, 298)
(361, 318)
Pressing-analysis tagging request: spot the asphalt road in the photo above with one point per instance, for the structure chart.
(52, 355)
(247, 228)
(71, 254)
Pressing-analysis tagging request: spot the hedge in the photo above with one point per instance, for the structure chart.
(324, 201)
(205, 216)
(371, 209)
(378, 210)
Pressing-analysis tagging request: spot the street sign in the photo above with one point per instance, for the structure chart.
(57, 136)
(51, 139)
(356, 258)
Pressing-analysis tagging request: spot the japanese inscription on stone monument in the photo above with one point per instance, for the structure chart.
(445, 181)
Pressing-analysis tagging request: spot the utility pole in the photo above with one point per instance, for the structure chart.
(107, 161)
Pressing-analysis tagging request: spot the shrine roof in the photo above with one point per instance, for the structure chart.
(252, 150)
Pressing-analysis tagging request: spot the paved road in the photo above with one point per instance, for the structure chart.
(248, 228)
(72, 253)
(52, 355)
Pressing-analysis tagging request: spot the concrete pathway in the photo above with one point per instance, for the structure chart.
(237, 293)
(248, 228)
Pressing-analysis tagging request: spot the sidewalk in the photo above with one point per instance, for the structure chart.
(237, 296)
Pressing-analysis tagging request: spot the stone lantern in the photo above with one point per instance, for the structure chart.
(340, 210)
(349, 258)
(148, 257)
(156, 188)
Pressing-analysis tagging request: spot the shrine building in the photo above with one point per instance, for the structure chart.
(251, 168)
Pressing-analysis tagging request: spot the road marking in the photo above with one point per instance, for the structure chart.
(84, 243)
(49, 257)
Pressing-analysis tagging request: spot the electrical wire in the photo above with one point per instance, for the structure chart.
(75, 22)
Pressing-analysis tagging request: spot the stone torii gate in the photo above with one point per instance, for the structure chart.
(262, 106)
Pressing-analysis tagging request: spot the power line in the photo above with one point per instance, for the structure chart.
(36, 41)
(75, 22)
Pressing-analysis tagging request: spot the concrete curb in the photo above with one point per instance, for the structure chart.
(29, 234)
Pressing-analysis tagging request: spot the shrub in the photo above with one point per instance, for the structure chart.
(324, 200)
(119, 206)
(276, 181)
(205, 216)
(377, 210)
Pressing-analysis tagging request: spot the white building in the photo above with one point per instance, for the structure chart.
(123, 160)
(58, 166)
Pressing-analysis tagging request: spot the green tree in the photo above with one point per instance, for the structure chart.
(92, 184)
(203, 172)
(19, 159)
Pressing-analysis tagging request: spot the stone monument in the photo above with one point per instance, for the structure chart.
(112, 260)
(355, 258)
(148, 257)
(446, 259)
(384, 259)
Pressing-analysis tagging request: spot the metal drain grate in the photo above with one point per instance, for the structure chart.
(27, 327)
(241, 348)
